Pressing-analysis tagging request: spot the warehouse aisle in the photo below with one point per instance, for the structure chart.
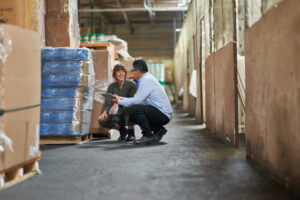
(188, 164)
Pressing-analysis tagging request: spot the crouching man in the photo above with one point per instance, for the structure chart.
(150, 107)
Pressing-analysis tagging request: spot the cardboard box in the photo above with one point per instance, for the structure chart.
(62, 32)
(102, 68)
(62, 28)
(23, 13)
(60, 8)
(84, 30)
(111, 49)
(98, 108)
(20, 87)
(128, 66)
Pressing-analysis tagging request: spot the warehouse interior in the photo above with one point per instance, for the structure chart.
(230, 69)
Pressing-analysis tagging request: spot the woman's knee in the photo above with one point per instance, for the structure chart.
(106, 124)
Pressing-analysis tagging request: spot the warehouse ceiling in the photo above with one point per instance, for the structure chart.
(148, 26)
(131, 11)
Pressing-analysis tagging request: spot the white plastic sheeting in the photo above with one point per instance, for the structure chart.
(257, 8)
(5, 45)
(5, 49)
(241, 78)
(193, 84)
(5, 141)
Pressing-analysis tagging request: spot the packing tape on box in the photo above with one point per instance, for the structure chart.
(100, 87)
(4, 140)
(5, 45)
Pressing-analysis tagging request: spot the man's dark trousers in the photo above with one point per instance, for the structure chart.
(149, 118)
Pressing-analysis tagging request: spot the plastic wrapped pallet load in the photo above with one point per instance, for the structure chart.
(103, 78)
(20, 91)
(68, 80)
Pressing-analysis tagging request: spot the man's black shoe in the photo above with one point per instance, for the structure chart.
(159, 134)
(145, 140)
(123, 134)
(130, 136)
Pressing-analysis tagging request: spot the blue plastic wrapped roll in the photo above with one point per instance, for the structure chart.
(64, 53)
(68, 80)
(58, 92)
(61, 66)
(59, 103)
(56, 116)
(58, 80)
(57, 129)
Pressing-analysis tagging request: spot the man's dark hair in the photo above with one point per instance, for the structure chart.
(118, 67)
(141, 65)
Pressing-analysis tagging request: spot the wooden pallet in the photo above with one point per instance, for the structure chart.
(99, 136)
(66, 140)
(18, 174)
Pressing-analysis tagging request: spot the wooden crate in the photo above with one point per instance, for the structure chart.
(66, 140)
(18, 174)
(104, 135)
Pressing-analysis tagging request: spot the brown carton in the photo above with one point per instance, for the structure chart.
(23, 13)
(102, 68)
(60, 8)
(20, 87)
(59, 33)
(62, 28)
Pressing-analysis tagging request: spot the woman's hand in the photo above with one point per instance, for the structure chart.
(113, 108)
(103, 117)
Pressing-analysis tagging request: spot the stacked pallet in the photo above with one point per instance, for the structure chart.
(103, 76)
(68, 79)
(20, 85)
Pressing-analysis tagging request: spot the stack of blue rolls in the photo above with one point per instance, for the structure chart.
(68, 80)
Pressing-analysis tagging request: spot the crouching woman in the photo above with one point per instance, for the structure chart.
(115, 116)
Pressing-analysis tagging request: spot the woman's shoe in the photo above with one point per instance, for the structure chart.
(130, 136)
(123, 134)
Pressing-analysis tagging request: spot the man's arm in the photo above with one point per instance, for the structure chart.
(144, 90)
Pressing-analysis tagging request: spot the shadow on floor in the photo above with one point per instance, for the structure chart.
(115, 145)
(54, 146)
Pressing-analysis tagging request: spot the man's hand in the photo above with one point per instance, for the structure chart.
(103, 117)
(115, 98)
(113, 108)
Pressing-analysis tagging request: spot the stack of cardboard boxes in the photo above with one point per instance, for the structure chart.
(20, 91)
(55, 20)
(104, 61)
(20, 88)
(28, 14)
(61, 20)
(103, 64)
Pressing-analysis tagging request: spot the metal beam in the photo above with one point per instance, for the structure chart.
(151, 13)
(165, 9)
(125, 16)
(87, 20)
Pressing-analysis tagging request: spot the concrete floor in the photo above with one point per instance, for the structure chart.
(188, 164)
